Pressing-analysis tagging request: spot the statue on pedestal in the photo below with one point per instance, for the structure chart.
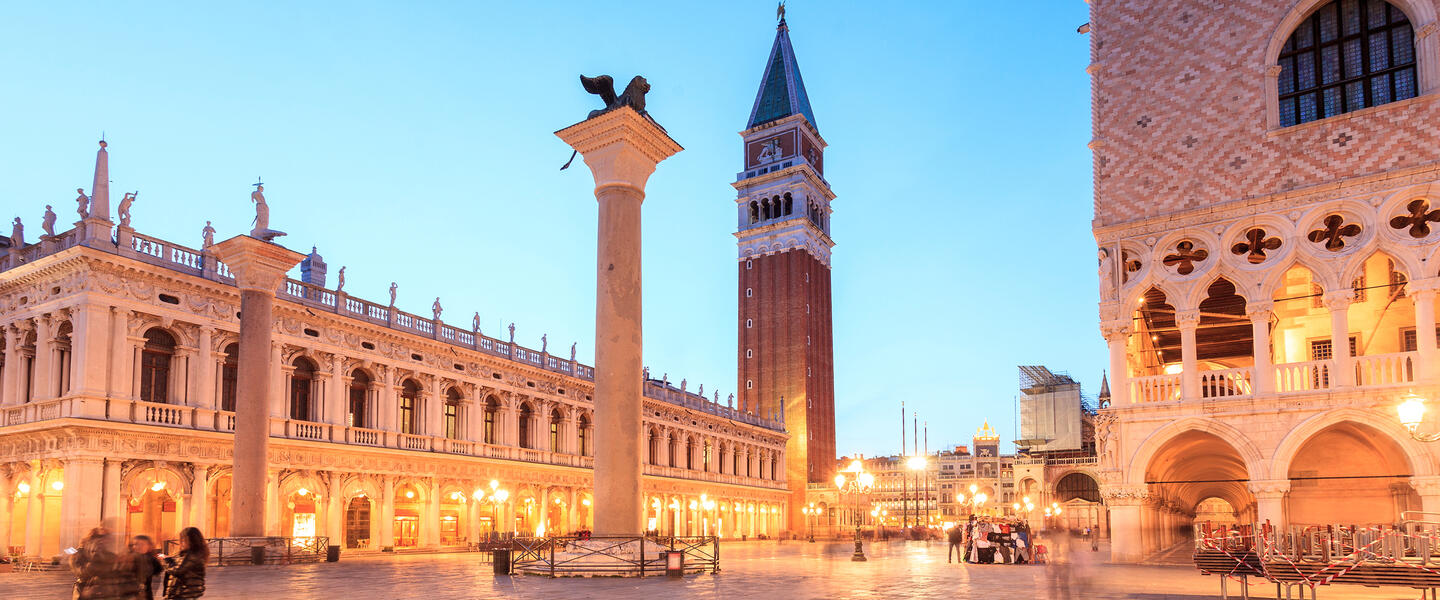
(392, 293)
(124, 208)
(340, 280)
(475, 324)
(17, 235)
(262, 228)
(572, 352)
(207, 236)
(730, 401)
(437, 309)
(48, 221)
(83, 204)
(604, 87)
(544, 342)
(512, 334)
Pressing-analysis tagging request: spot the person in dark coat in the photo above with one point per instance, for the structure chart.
(956, 538)
(144, 563)
(185, 573)
(99, 574)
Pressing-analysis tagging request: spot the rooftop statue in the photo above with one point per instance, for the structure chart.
(124, 208)
(207, 235)
(48, 221)
(340, 280)
(512, 334)
(572, 351)
(475, 323)
(544, 342)
(17, 234)
(437, 308)
(83, 203)
(262, 228)
(393, 287)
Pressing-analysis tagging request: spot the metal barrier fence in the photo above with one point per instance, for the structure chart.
(617, 555)
(278, 550)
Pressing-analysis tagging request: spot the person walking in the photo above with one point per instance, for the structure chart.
(98, 572)
(144, 564)
(1094, 539)
(956, 538)
(185, 574)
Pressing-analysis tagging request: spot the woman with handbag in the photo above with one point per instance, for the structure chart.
(185, 574)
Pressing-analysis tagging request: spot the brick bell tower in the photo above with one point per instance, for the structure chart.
(786, 361)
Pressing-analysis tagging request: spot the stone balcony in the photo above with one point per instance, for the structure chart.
(1381, 371)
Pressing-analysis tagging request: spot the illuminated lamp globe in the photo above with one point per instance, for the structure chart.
(1412, 411)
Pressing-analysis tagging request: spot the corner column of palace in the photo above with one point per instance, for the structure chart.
(1117, 336)
(621, 147)
(1263, 378)
(258, 267)
(1188, 321)
(1127, 503)
(1338, 303)
(1422, 291)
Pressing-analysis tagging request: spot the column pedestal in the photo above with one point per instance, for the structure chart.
(621, 147)
(259, 268)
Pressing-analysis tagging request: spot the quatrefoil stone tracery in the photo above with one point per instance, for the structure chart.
(1333, 231)
(1255, 245)
(1185, 256)
(1417, 218)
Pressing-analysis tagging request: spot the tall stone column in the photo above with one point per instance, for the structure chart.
(1262, 380)
(1423, 293)
(42, 384)
(335, 510)
(259, 268)
(1188, 321)
(88, 353)
(335, 392)
(8, 384)
(7, 503)
(1343, 373)
(387, 514)
(621, 147)
(202, 371)
(34, 511)
(200, 500)
(120, 375)
(113, 510)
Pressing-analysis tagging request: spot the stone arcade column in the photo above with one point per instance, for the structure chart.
(1126, 505)
(621, 147)
(259, 268)
(1343, 373)
(1270, 500)
(1262, 380)
(1423, 293)
(1188, 321)
(1117, 337)
(80, 499)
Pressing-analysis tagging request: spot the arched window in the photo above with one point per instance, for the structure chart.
(155, 360)
(301, 382)
(754, 212)
(409, 396)
(492, 408)
(359, 390)
(61, 382)
(452, 414)
(584, 435)
(705, 459)
(229, 377)
(1348, 55)
(773, 463)
(765, 209)
(555, 419)
(526, 415)
(789, 204)
(652, 447)
(690, 453)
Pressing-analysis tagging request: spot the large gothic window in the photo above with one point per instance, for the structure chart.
(526, 416)
(491, 408)
(1348, 55)
(155, 360)
(409, 399)
(359, 390)
(452, 414)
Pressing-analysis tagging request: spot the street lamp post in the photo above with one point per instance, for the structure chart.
(917, 464)
(855, 481)
(811, 512)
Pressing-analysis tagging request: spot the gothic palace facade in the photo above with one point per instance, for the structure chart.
(1265, 209)
(387, 428)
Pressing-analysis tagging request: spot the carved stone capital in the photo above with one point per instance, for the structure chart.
(1258, 311)
(1338, 300)
(1125, 495)
(1187, 318)
(1115, 330)
(1426, 486)
(1269, 489)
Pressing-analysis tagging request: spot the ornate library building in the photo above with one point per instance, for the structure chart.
(390, 430)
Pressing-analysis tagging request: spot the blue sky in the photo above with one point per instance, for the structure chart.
(413, 142)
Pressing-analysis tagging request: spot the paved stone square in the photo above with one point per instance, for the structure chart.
(768, 570)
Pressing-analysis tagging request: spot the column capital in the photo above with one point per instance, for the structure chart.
(1426, 485)
(1424, 286)
(1125, 495)
(257, 265)
(1259, 310)
(1338, 300)
(620, 146)
(1268, 489)
(1115, 329)
(1187, 318)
